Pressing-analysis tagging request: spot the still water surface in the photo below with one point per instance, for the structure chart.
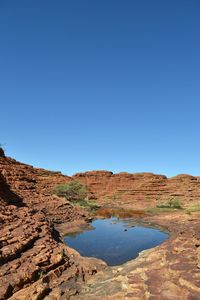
(115, 241)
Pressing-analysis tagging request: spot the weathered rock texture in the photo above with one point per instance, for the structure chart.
(35, 187)
(170, 271)
(34, 264)
(140, 190)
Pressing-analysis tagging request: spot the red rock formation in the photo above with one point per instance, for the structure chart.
(33, 262)
(140, 190)
(35, 187)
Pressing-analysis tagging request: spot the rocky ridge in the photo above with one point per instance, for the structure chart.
(140, 190)
(35, 264)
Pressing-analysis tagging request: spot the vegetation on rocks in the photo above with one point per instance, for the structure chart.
(73, 191)
(34, 261)
(168, 206)
(172, 204)
(88, 204)
(77, 193)
(191, 209)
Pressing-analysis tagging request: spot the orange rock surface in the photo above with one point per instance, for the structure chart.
(140, 190)
(35, 264)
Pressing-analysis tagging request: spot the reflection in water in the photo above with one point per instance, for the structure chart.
(115, 241)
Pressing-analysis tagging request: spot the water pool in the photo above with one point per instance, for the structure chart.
(115, 241)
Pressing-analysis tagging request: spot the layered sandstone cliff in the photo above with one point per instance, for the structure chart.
(34, 263)
(140, 190)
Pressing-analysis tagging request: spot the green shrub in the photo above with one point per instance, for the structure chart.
(191, 209)
(158, 210)
(172, 204)
(73, 191)
(91, 205)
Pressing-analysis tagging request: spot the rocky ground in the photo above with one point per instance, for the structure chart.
(35, 264)
(170, 271)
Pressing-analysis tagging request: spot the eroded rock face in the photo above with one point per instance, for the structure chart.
(33, 261)
(140, 190)
(35, 187)
(167, 272)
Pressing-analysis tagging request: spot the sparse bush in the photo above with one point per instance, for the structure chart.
(191, 209)
(172, 204)
(88, 204)
(158, 210)
(73, 191)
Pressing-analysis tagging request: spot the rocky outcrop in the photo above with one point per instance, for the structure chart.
(167, 272)
(35, 187)
(34, 263)
(140, 190)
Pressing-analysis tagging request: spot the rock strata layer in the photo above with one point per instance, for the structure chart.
(35, 264)
(140, 190)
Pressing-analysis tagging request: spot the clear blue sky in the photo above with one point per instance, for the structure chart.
(108, 84)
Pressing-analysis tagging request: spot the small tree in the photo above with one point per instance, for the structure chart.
(72, 191)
